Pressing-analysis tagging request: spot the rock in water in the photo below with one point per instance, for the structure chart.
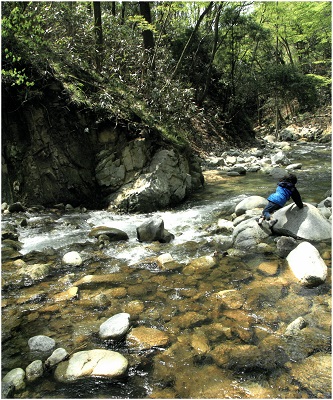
(14, 378)
(41, 343)
(113, 234)
(153, 230)
(34, 370)
(115, 327)
(304, 223)
(307, 265)
(72, 258)
(92, 363)
(250, 203)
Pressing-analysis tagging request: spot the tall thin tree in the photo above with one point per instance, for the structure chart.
(98, 35)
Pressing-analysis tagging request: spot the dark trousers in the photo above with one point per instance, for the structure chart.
(269, 209)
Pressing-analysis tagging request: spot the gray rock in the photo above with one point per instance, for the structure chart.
(239, 169)
(91, 363)
(254, 168)
(34, 370)
(279, 158)
(307, 265)
(115, 327)
(153, 230)
(248, 234)
(326, 202)
(16, 207)
(56, 357)
(306, 223)
(250, 203)
(166, 181)
(285, 245)
(288, 134)
(41, 343)
(277, 173)
(15, 378)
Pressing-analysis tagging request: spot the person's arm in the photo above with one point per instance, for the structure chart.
(297, 198)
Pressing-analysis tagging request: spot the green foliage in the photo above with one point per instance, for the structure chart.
(239, 59)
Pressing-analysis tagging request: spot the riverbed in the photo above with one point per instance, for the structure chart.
(180, 304)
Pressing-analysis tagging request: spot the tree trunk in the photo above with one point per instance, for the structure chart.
(98, 34)
(148, 37)
(206, 10)
(210, 67)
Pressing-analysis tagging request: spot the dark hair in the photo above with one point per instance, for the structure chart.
(290, 178)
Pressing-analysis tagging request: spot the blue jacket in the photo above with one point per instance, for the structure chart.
(284, 191)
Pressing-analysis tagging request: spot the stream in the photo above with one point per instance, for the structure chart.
(179, 304)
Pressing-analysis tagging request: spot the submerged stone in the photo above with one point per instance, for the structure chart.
(145, 338)
(315, 375)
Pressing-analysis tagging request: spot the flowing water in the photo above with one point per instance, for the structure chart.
(175, 302)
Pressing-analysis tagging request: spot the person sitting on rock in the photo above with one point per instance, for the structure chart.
(284, 190)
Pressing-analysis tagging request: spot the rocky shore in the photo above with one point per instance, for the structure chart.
(222, 311)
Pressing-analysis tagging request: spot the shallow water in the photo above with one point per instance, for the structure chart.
(173, 301)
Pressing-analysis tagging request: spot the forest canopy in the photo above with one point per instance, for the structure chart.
(164, 62)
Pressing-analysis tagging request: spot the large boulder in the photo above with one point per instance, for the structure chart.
(307, 265)
(92, 363)
(168, 179)
(306, 223)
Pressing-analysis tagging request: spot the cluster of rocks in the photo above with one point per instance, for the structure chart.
(86, 363)
(271, 157)
(294, 132)
(295, 232)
